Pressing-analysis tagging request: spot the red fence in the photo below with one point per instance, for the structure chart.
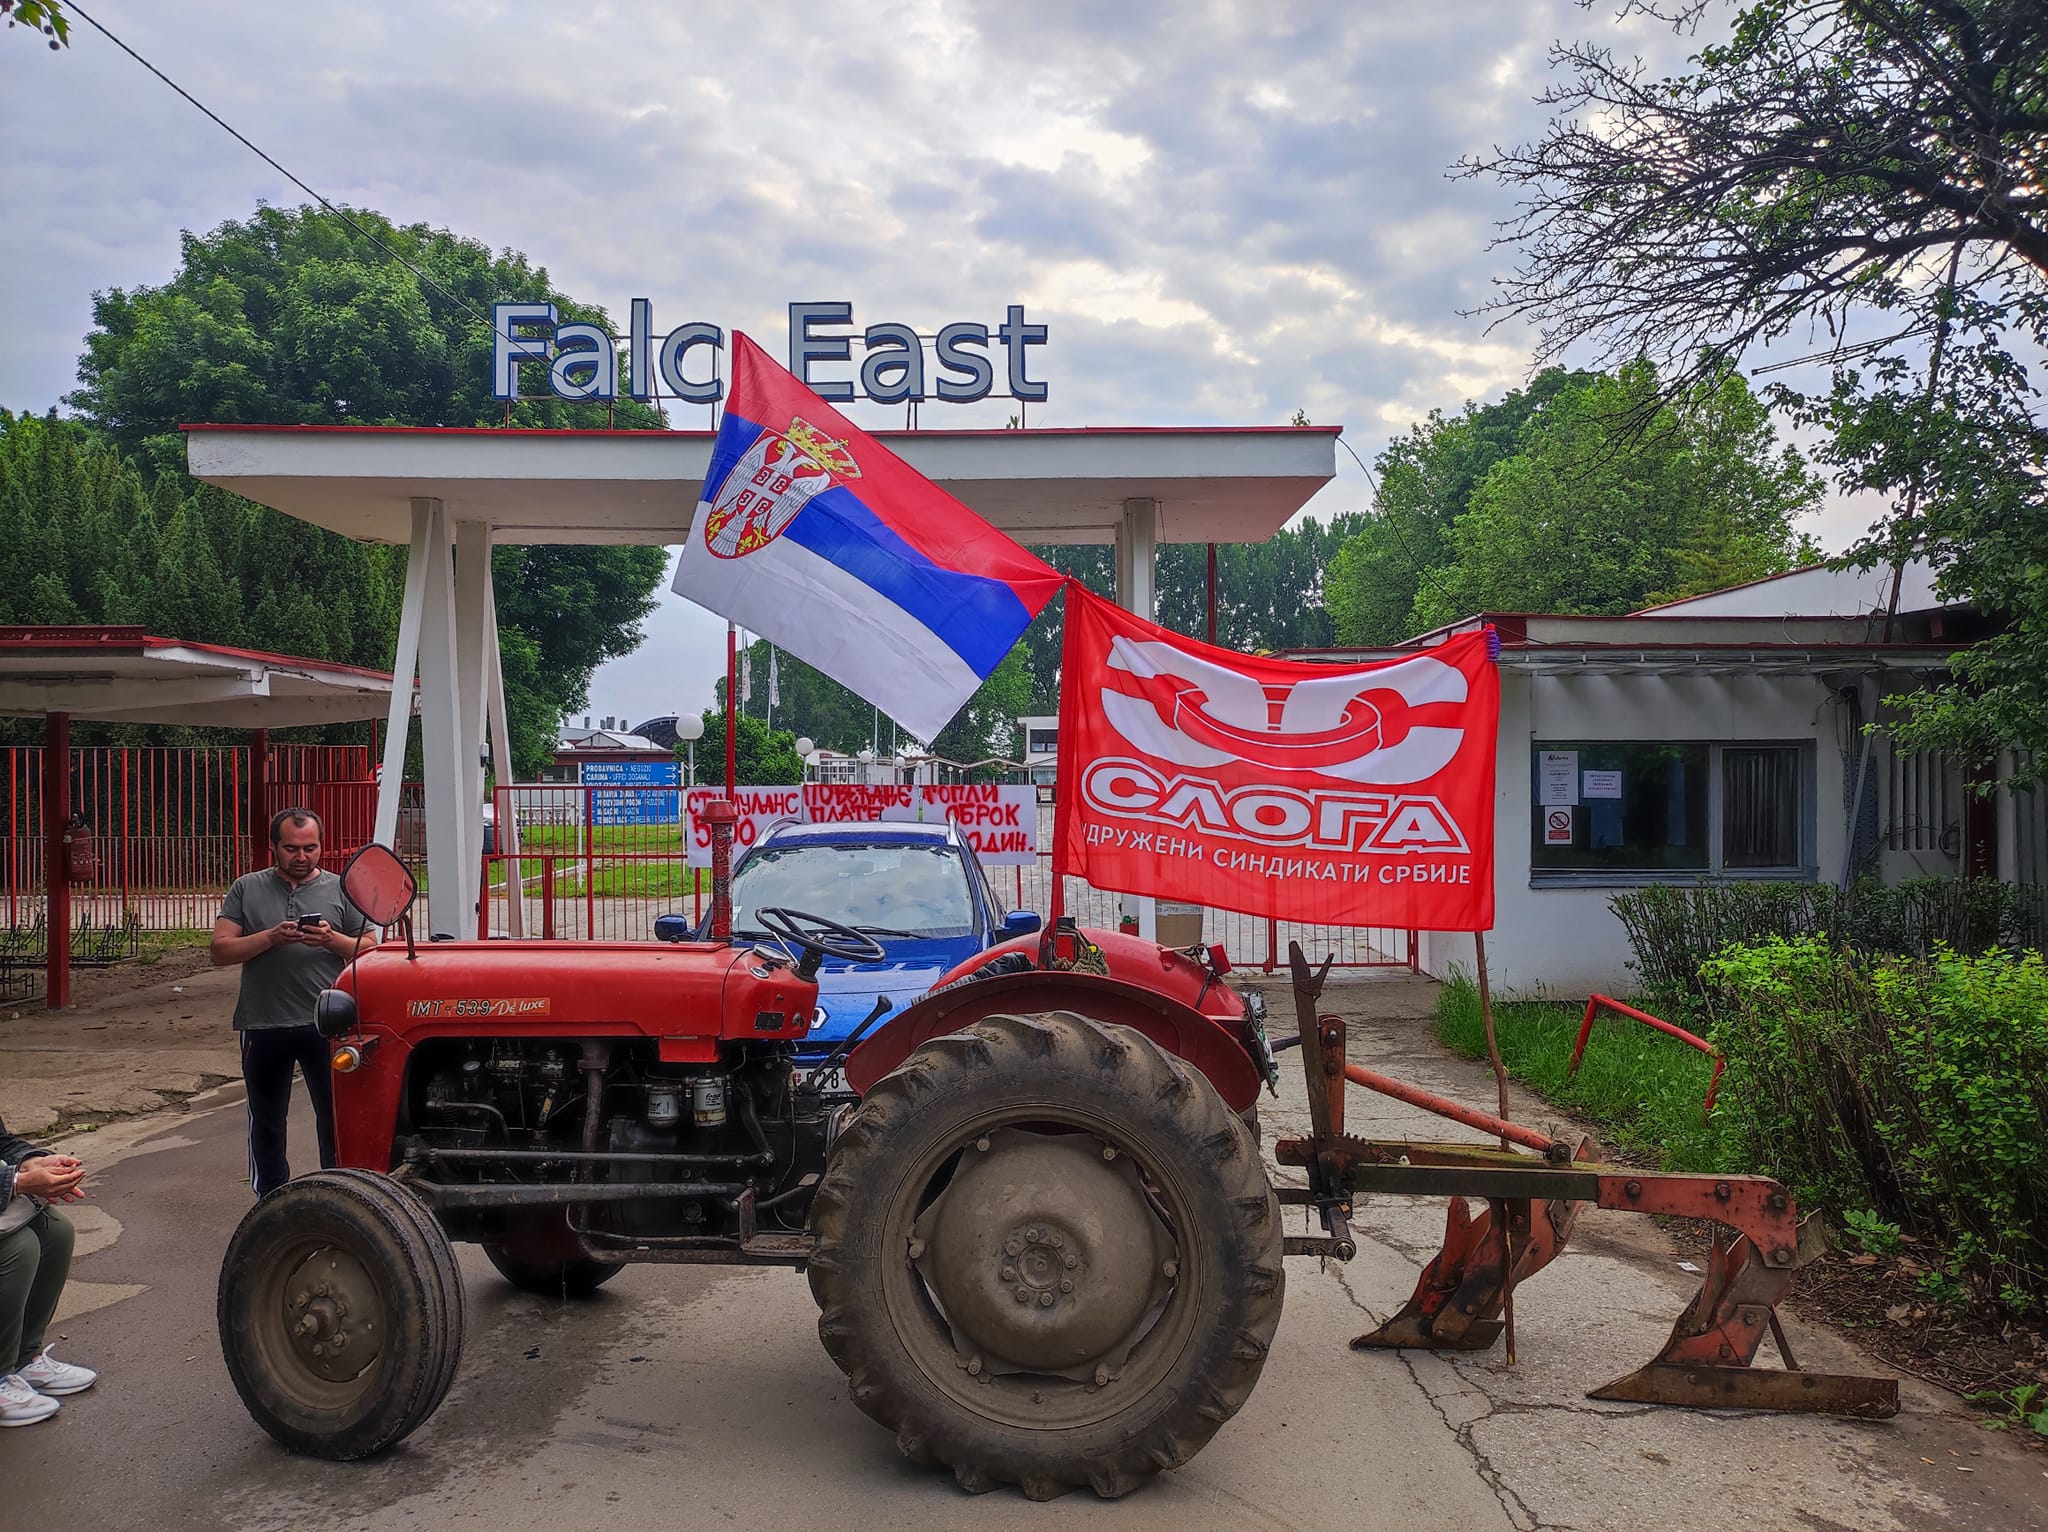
(171, 826)
(1252, 941)
(600, 862)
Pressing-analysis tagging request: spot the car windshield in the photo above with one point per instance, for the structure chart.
(888, 890)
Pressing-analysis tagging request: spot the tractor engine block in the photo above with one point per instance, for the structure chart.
(573, 1113)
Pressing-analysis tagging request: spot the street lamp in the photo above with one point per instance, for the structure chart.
(804, 747)
(690, 729)
(867, 767)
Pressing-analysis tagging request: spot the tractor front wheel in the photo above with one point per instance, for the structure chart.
(1047, 1254)
(340, 1311)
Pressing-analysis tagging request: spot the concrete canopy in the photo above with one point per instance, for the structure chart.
(1211, 484)
(450, 493)
(124, 675)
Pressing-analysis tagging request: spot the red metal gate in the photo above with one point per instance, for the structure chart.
(171, 826)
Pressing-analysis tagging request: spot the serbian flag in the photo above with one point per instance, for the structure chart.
(814, 535)
(1350, 795)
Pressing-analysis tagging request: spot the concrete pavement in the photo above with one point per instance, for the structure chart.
(702, 1397)
(142, 1036)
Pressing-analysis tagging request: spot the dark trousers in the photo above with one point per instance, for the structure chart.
(268, 1054)
(34, 1260)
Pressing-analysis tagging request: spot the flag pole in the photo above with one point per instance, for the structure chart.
(732, 697)
(1500, 1073)
(1500, 1081)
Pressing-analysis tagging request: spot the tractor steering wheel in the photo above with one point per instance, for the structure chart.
(818, 938)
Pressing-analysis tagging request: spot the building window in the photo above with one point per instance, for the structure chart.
(1042, 741)
(1645, 810)
(1760, 798)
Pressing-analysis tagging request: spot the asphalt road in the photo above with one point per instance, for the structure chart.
(699, 1398)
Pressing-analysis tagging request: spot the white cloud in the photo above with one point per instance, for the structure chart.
(1223, 211)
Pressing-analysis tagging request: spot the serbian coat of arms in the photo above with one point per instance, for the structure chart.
(774, 479)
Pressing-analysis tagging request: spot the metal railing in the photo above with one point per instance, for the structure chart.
(600, 863)
(170, 827)
(1252, 941)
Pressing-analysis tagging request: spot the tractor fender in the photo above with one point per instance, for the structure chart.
(1206, 1042)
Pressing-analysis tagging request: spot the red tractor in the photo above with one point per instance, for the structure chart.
(1035, 1219)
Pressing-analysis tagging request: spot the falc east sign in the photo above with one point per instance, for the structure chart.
(581, 361)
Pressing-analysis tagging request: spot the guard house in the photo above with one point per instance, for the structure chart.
(1718, 739)
(450, 493)
(608, 746)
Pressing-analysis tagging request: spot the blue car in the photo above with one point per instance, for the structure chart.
(918, 889)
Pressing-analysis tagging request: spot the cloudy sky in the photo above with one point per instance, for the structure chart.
(1223, 212)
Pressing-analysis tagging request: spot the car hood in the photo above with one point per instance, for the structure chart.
(847, 991)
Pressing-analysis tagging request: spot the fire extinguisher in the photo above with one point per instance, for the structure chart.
(81, 853)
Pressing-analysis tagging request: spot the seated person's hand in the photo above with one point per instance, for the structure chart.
(52, 1177)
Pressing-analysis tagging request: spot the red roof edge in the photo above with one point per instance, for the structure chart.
(61, 638)
(520, 431)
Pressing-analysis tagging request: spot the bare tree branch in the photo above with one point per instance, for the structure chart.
(1819, 162)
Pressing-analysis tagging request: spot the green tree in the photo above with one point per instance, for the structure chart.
(1426, 480)
(813, 704)
(302, 316)
(1578, 521)
(43, 18)
(987, 721)
(1869, 170)
(765, 757)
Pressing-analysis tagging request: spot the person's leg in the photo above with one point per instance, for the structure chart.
(20, 1254)
(267, 1072)
(54, 1235)
(316, 1064)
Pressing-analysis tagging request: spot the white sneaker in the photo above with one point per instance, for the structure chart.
(21, 1405)
(50, 1377)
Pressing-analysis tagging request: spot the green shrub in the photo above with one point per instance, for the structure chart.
(1915, 1088)
(1674, 929)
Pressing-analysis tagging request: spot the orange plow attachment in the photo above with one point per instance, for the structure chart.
(1532, 1196)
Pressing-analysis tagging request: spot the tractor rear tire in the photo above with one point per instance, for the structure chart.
(1108, 1190)
(341, 1312)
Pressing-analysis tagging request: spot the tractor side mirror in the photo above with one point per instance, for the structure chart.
(1021, 923)
(674, 928)
(379, 884)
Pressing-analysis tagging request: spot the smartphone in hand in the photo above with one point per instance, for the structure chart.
(313, 925)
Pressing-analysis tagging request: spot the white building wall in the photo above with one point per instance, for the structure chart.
(1567, 941)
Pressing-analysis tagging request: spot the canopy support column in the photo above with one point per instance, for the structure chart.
(474, 661)
(405, 659)
(449, 870)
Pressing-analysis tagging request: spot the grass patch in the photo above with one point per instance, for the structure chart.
(646, 839)
(635, 880)
(1641, 1089)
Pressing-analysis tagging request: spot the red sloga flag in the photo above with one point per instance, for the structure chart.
(1355, 795)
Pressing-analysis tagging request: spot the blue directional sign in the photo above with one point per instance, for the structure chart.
(621, 804)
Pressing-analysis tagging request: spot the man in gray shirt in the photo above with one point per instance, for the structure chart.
(293, 930)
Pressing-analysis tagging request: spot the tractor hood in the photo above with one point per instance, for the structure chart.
(690, 995)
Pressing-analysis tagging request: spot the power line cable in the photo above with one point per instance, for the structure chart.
(426, 277)
(1394, 524)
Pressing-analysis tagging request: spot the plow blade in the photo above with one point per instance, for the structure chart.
(1702, 1386)
(1462, 1294)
